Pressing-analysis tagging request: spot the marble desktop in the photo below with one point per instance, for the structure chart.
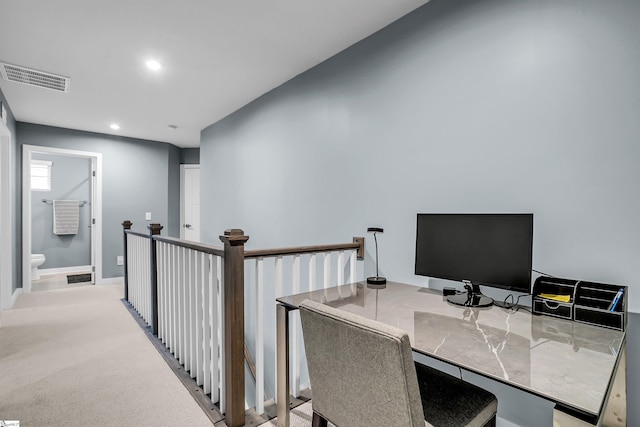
(567, 362)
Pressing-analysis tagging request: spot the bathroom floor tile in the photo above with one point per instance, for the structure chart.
(50, 282)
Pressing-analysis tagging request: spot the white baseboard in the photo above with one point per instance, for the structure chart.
(62, 270)
(15, 296)
(111, 281)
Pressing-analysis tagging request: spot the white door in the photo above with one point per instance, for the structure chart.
(190, 227)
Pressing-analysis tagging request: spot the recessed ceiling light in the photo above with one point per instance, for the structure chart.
(153, 65)
(115, 126)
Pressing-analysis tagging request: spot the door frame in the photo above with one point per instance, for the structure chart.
(6, 205)
(96, 208)
(183, 193)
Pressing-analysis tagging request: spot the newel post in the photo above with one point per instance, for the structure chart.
(154, 230)
(126, 225)
(233, 312)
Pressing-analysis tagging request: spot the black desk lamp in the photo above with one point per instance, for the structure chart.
(376, 281)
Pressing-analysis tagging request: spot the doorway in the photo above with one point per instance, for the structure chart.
(6, 240)
(190, 202)
(92, 206)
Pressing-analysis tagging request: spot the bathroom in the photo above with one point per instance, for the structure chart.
(60, 249)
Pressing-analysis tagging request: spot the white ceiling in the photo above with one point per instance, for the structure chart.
(217, 56)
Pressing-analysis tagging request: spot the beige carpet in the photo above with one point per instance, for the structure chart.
(76, 357)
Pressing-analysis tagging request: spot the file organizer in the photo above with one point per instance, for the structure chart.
(589, 302)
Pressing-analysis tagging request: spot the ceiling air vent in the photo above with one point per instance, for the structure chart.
(15, 73)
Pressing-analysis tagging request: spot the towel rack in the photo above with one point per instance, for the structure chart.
(80, 203)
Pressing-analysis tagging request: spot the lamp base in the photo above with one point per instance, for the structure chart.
(376, 282)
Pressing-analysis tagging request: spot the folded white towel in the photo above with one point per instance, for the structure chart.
(66, 216)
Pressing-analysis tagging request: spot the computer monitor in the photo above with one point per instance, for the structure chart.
(478, 249)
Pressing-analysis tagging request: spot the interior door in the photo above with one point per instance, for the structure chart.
(191, 203)
(92, 218)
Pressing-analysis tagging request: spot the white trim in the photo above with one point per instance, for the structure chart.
(62, 270)
(6, 238)
(15, 296)
(182, 194)
(96, 208)
(111, 281)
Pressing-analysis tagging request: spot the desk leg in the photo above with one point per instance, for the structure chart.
(615, 410)
(282, 325)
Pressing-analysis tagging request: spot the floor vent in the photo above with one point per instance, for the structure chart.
(78, 278)
(15, 73)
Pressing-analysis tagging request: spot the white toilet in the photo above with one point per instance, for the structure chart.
(36, 261)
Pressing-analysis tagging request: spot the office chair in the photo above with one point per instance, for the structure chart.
(362, 373)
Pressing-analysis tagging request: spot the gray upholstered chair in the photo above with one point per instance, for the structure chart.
(362, 373)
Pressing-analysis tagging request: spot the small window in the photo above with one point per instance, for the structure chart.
(40, 175)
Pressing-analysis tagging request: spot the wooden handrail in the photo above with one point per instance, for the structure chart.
(358, 243)
(233, 315)
(209, 249)
(233, 254)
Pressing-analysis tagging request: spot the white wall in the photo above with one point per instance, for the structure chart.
(483, 106)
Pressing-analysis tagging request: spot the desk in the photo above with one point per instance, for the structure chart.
(574, 365)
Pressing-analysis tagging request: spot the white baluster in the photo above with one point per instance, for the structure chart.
(352, 271)
(167, 294)
(327, 273)
(259, 325)
(220, 329)
(191, 313)
(312, 272)
(159, 278)
(172, 299)
(340, 273)
(205, 271)
(185, 309)
(278, 293)
(180, 311)
(135, 283)
(138, 275)
(295, 340)
(146, 290)
(197, 268)
(184, 287)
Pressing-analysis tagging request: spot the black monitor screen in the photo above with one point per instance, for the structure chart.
(486, 249)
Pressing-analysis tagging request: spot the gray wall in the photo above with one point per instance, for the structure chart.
(70, 180)
(484, 106)
(461, 106)
(15, 194)
(190, 156)
(135, 181)
(172, 228)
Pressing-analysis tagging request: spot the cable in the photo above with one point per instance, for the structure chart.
(460, 369)
(510, 306)
(544, 274)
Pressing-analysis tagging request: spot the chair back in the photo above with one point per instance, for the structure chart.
(361, 371)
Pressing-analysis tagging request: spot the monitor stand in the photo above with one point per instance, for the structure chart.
(471, 298)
